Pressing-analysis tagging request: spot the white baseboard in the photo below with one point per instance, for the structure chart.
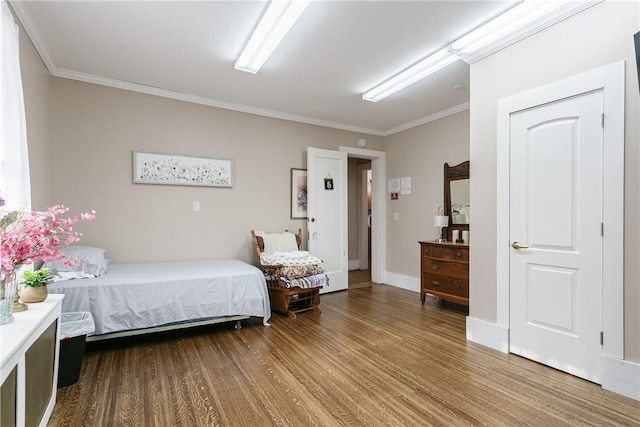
(353, 264)
(488, 334)
(401, 281)
(621, 376)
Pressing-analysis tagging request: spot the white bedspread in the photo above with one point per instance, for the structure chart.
(134, 296)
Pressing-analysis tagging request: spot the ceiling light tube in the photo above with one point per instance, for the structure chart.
(518, 22)
(419, 71)
(274, 25)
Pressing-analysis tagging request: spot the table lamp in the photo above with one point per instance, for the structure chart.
(441, 221)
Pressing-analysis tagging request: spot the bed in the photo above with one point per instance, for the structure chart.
(131, 299)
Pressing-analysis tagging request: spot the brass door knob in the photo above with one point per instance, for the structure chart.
(518, 245)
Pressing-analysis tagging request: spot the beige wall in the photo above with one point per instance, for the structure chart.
(599, 36)
(36, 83)
(420, 153)
(95, 130)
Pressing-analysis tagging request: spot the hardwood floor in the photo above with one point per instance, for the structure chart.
(359, 279)
(373, 357)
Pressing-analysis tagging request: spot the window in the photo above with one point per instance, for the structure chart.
(15, 186)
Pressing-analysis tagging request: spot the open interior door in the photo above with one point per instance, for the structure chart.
(327, 213)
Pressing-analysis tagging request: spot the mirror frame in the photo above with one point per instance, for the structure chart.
(453, 173)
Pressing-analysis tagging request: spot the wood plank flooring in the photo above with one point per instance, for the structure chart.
(359, 279)
(373, 357)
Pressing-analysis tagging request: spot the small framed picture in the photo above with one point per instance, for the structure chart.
(298, 193)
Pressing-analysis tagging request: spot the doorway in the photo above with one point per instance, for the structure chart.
(323, 234)
(360, 197)
(377, 220)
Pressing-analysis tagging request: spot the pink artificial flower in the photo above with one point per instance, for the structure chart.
(39, 235)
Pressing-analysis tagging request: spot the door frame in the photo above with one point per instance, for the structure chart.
(378, 217)
(363, 218)
(609, 79)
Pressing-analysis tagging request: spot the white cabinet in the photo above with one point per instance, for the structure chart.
(29, 349)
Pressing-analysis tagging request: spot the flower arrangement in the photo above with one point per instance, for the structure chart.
(31, 236)
(38, 278)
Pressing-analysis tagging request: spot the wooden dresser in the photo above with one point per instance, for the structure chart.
(444, 271)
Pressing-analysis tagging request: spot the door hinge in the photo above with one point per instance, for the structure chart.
(602, 229)
(601, 338)
(602, 119)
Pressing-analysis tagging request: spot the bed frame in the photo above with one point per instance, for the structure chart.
(170, 327)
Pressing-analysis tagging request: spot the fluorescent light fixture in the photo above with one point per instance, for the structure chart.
(419, 71)
(274, 25)
(523, 19)
(520, 21)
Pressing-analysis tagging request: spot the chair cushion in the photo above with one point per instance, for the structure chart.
(295, 271)
(266, 259)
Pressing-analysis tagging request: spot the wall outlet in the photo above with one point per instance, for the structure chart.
(196, 206)
(395, 216)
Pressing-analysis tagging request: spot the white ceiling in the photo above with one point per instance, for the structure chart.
(336, 50)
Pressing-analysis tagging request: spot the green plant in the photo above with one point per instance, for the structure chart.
(35, 279)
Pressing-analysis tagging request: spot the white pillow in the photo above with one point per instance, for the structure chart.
(88, 259)
(279, 242)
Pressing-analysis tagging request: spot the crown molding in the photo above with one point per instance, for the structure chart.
(194, 99)
(25, 18)
(32, 31)
(432, 118)
(180, 96)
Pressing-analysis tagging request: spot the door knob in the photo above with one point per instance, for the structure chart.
(518, 245)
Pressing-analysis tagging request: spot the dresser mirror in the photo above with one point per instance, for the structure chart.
(456, 197)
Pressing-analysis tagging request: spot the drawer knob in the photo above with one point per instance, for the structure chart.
(459, 254)
(435, 283)
(435, 267)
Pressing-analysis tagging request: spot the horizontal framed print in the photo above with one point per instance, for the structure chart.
(176, 169)
(298, 193)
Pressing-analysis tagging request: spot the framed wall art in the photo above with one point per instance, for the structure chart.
(298, 193)
(176, 169)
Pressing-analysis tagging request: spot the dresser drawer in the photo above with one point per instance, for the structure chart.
(445, 268)
(457, 287)
(446, 252)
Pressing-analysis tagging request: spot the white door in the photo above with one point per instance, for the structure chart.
(555, 229)
(327, 213)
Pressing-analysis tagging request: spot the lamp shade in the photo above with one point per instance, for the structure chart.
(441, 221)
